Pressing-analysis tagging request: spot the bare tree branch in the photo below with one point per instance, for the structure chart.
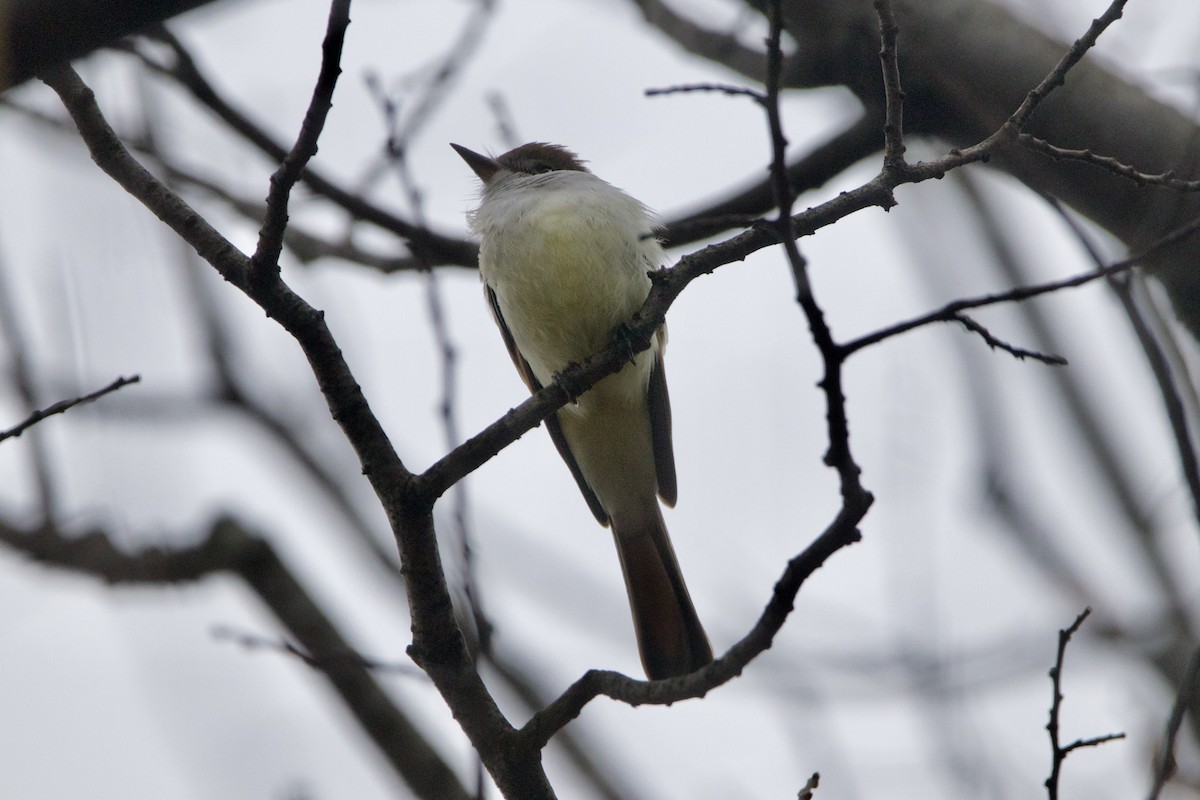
(1109, 163)
(1185, 698)
(228, 547)
(438, 645)
(36, 34)
(270, 237)
(841, 533)
(742, 208)
(1043, 548)
(893, 95)
(305, 246)
(434, 248)
(723, 48)
(600, 770)
(1058, 76)
(950, 310)
(1158, 362)
(1098, 439)
(999, 344)
(968, 63)
(401, 132)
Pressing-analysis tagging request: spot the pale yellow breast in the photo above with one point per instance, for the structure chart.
(565, 273)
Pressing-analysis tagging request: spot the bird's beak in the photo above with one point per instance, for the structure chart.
(483, 166)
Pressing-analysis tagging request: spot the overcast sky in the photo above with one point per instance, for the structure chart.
(127, 693)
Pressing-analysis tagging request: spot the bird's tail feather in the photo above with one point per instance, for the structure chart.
(670, 638)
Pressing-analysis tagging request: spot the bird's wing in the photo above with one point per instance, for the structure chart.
(659, 403)
(555, 430)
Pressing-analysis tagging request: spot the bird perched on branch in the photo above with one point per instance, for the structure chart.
(564, 258)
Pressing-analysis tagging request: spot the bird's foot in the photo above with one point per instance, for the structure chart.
(624, 334)
(565, 379)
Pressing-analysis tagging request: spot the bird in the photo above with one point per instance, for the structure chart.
(565, 259)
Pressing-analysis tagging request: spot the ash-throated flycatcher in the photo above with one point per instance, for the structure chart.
(564, 259)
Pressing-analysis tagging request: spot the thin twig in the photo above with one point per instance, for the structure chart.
(1060, 753)
(1166, 179)
(721, 88)
(1058, 76)
(998, 344)
(1057, 752)
(64, 405)
(1093, 741)
(838, 455)
(893, 94)
(323, 662)
(265, 261)
(1022, 293)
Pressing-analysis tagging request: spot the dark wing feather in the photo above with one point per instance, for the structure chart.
(659, 402)
(552, 426)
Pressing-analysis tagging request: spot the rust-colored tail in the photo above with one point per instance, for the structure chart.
(670, 638)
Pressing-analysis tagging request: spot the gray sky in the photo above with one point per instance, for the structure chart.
(128, 694)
